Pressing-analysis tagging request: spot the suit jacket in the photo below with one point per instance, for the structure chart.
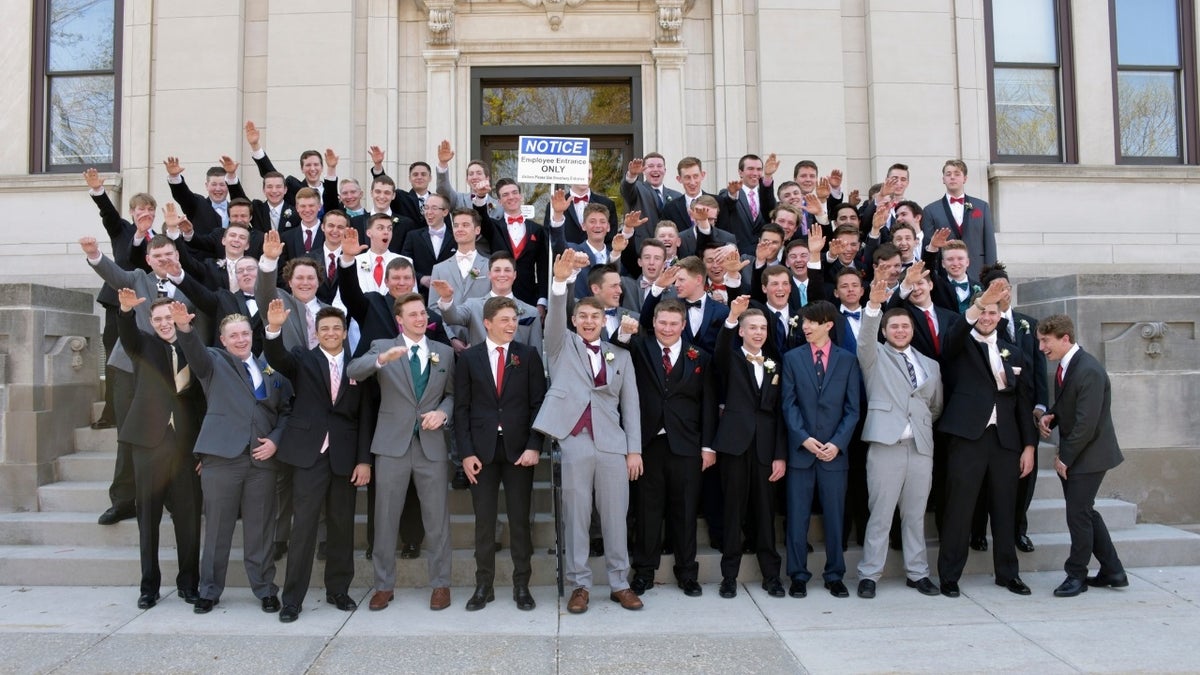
(631, 293)
(944, 293)
(295, 329)
(469, 314)
(315, 413)
(751, 417)
(235, 419)
(401, 226)
(260, 211)
(532, 265)
(690, 240)
(293, 184)
(1087, 441)
(827, 413)
(293, 246)
(639, 196)
(922, 339)
(216, 305)
(977, 229)
(684, 402)
(475, 285)
(616, 428)
(676, 211)
(1025, 337)
(376, 315)
(400, 410)
(155, 404)
(573, 229)
(892, 403)
(418, 247)
(462, 200)
(738, 219)
(197, 208)
(479, 410)
(714, 314)
(120, 236)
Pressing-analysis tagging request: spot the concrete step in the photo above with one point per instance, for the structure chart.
(89, 496)
(1048, 515)
(87, 466)
(1145, 545)
(1048, 485)
(95, 440)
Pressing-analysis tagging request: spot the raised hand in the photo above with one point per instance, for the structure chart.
(816, 240)
(737, 306)
(629, 325)
(272, 246)
(619, 243)
(172, 218)
(835, 247)
(994, 292)
(771, 165)
(634, 220)
(879, 293)
(889, 187)
(853, 199)
(90, 247)
(733, 264)
(823, 189)
(277, 315)
(813, 204)
(376, 154)
(582, 261)
(667, 277)
(331, 161)
(444, 153)
(350, 245)
(253, 135)
(635, 166)
(734, 187)
(128, 299)
(564, 265)
(481, 187)
(174, 168)
(939, 238)
(393, 354)
(559, 203)
(915, 273)
(173, 268)
(180, 315)
(92, 177)
(229, 165)
(835, 179)
(443, 289)
(882, 212)
(762, 252)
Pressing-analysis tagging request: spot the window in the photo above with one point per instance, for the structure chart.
(76, 85)
(1030, 80)
(1154, 80)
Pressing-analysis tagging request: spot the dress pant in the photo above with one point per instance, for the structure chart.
(1089, 535)
(591, 477)
(121, 492)
(858, 511)
(485, 496)
(749, 513)
(897, 476)
(969, 465)
(162, 473)
(411, 529)
(1025, 487)
(670, 488)
(712, 505)
(315, 487)
(394, 475)
(232, 486)
(829, 488)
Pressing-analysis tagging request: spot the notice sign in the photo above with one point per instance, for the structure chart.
(553, 159)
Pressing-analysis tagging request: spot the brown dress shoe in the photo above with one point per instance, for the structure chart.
(380, 600)
(578, 604)
(627, 598)
(440, 598)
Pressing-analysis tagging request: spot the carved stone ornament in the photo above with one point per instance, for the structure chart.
(554, 9)
(440, 21)
(669, 17)
(1152, 332)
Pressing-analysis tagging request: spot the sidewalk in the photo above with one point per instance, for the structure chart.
(1150, 626)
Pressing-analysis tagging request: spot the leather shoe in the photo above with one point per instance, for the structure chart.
(1118, 580)
(278, 551)
(440, 598)
(460, 481)
(270, 604)
(369, 553)
(204, 605)
(923, 585)
(115, 515)
(979, 543)
(640, 585)
(341, 601)
(950, 589)
(523, 599)
(1024, 544)
(410, 551)
(773, 587)
(627, 598)
(1070, 588)
(380, 600)
(799, 589)
(728, 588)
(189, 596)
(1015, 585)
(691, 588)
(481, 597)
(289, 613)
(578, 604)
(866, 589)
(837, 589)
(103, 424)
(148, 600)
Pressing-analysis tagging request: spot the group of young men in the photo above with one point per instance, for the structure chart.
(765, 350)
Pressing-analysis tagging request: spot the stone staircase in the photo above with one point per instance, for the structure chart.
(61, 544)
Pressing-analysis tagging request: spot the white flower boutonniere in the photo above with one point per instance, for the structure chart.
(1004, 353)
(769, 365)
(364, 265)
(474, 273)
(609, 356)
(794, 321)
(1024, 325)
(968, 206)
(287, 213)
(434, 358)
(268, 371)
(221, 263)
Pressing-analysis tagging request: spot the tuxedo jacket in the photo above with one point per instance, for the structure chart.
(714, 315)
(972, 391)
(120, 236)
(676, 211)
(418, 247)
(892, 403)
(827, 411)
(922, 339)
(376, 315)
(475, 285)
(691, 240)
(260, 211)
(407, 204)
(218, 304)
(639, 196)
(533, 262)
(197, 208)
(977, 229)
(944, 293)
(572, 229)
(684, 402)
(479, 410)
(155, 403)
(1025, 337)
(750, 421)
(738, 219)
(1087, 441)
(315, 413)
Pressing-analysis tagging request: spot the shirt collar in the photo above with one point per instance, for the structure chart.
(1065, 361)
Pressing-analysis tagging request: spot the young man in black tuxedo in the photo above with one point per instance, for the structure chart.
(311, 165)
(525, 238)
(208, 213)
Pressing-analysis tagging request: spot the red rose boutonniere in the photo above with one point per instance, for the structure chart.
(513, 361)
(692, 353)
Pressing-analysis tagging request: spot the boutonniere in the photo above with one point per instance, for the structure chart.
(976, 288)
(520, 311)
(268, 371)
(692, 354)
(287, 213)
(474, 273)
(533, 237)
(769, 365)
(364, 265)
(221, 263)
(513, 361)
(1024, 325)
(1004, 353)
(434, 358)
(968, 206)
(353, 382)
(794, 321)
(609, 356)
(395, 220)
(431, 326)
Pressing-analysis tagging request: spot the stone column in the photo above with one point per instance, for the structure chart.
(441, 103)
(671, 104)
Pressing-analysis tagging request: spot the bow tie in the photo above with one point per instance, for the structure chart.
(248, 296)
(645, 283)
(755, 359)
(512, 220)
(694, 304)
(579, 199)
(965, 285)
(610, 312)
(857, 316)
(464, 256)
(595, 348)
(989, 339)
(958, 200)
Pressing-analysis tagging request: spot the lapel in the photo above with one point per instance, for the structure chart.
(405, 372)
(240, 368)
(950, 215)
(584, 354)
(654, 356)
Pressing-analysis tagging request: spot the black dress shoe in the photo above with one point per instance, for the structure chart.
(278, 550)
(289, 613)
(1024, 544)
(189, 596)
(691, 588)
(341, 601)
(979, 543)
(640, 584)
(837, 589)
(799, 589)
(728, 588)
(773, 587)
(481, 597)
(116, 514)
(270, 604)
(460, 481)
(596, 548)
(103, 424)
(321, 551)
(866, 589)
(1118, 580)
(522, 597)
(204, 605)
(1015, 585)
(1070, 588)
(923, 585)
(369, 553)
(410, 551)
(148, 600)
(950, 589)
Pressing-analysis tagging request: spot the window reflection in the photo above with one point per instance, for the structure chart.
(585, 104)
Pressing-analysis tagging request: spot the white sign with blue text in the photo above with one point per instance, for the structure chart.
(553, 159)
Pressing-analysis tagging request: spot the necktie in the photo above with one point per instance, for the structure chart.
(912, 373)
(414, 366)
(958, 200)
(378, 270)
(820, 368)
(601, 377)
(667, 361)
(311, 320)
(937, 344)
(335, 378)
(183, 374)
(577, 200)
(857, 316)
(274, 218)
(803, 294)
(1012, 331)
(421, 203)
(222, 209)
(1058, 376)
(308, 240)
(260, 392)
(658, 198)
(753, 197)
(499, 369)
(332, 266)
(780, 331)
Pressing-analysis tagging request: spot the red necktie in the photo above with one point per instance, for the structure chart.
(308, 237)
(937, 344)
(601, 377)
(1058, 374)
(332, 266)
(580, 199)
(378, 270)
(667, 361)
(499, 369)
(958, 200)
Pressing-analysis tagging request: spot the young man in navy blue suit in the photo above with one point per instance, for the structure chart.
(821, 388)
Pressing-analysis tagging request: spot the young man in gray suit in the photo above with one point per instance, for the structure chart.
(592, 391)
(969, 218)
(502, 272)
(904, 397)
(248, 406)
(416, 381)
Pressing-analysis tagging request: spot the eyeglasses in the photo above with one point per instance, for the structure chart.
(431, 207)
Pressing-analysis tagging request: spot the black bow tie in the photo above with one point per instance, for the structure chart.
(857, 316)
(693, 303)
(610, 312)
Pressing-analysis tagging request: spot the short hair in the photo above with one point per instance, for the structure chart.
(846, 229)
(418, 164)
(240, 226)
(233, 318)
(693, 266)
(956, 163)
(912, 206)
(848, 272)
(897, 312)
(666, 223)
(955, 245)
(798, 242)
(896, 227)
(503, 183)
(1057, 325)
(493, 305)
(467, 212)
(376, 217)
(687, 163)
(404, 300)
(590, 301)
(328, 311)
(789, 209)
(354, 181)
(885, 251)
(159, 302)
(311, 153)
(897, 166)
(160, 241)
(753, 311)
(142, 199)
(821, 311)
(774, 228)
(652, 243)
(273, 174)
(213, 172)
(303, 261)
(334, 212)
(874, 190)
(844, 205)
(785, 185)
(654, 155)
(596, 275)
(671, 305)
(990, 273)
(503, 254)
(394, 264)
(445, 201)
(706, 200)
(308, 193)
(383, 179)
(595, 208)
(241, 201)
(774, 271)
(804, 164)
(481, 165)
(742, 161)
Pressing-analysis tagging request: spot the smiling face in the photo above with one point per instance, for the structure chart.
(331, 334)
(308, 207)
(777, 288)
(807, 178)
(1054, 347)
(502, 327)
(435, 211)
(753, 330)
(652, 260)
(274, 190)
(419, 177)
(235, 239)
(311, 166)
(850, 246)
(751, 172)
(901, 183)
(400, 280)
(334, 227)
(217, 189)
(413, 319)
(381, 197)
(793, 196)
(609, 290)
(595, 226)
(351, 195)
(956, 262)
(669, 237)
(797, 261)
(588, 322)
(904, 241)
(668, 326)
(989, 318)
(654, 170)
(465, 230)
(237, 339)
(511, 199)
(898, 331)
(163, 259)
(920, 293)
(692, 178)
(502, 274)
(163, 324)
(247, 274)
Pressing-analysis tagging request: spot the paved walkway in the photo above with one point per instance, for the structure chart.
(1151, 626)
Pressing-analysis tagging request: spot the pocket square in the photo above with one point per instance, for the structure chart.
(775, 380)
(1016, 370)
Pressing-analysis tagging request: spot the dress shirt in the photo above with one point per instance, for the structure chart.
(824, 351)
(437, 237)
(422, 346)
(579, 206)
(759, 369)
(465, 261)
(491, 354)
(855, 324)
(1065, 361)
(256, 377)
(956, 210)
